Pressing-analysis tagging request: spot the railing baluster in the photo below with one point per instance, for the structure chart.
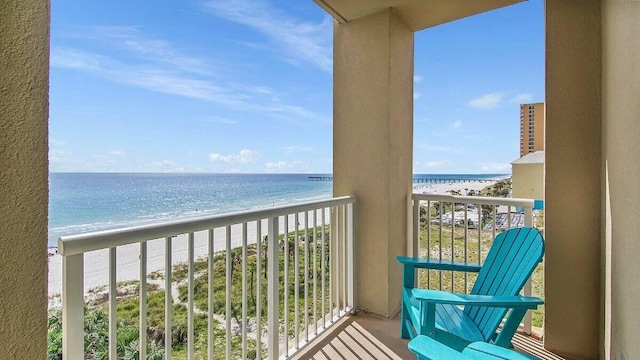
(479, 233)
(259, 289)
(244, 290)
(495, 222)
(453, 237)
(343, 270)
(315, 271)
(413, 247)
(168, 300)
(331, 261)
(142, 336)
(441, 207)
(113, 315)
(286, 285)
(273, 323)
(350, 258)
(210, 294)
(428, 241)
(466, 245)
(190, 299)
(528, 221)
(296, 281)
(73, 307)
(322, 268)
(227, 287)
(306, 275)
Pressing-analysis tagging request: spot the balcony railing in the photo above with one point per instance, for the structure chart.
(313, 243)
(462, 228)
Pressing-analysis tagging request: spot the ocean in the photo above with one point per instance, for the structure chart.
(87, 202)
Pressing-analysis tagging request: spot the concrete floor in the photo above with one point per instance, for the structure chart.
(365, 336)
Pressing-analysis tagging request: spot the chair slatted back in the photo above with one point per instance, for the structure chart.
(513, 257)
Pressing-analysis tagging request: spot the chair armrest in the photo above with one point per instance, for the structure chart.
(481, 350)
(427, 348)
(443, 297)
(432, 264)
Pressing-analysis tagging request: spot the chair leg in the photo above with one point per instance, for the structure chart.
(510, 327)
(405, 322)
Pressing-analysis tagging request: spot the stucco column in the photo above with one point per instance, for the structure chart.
(373, 148)
(572, 178)
(621, 130)
(24, 86)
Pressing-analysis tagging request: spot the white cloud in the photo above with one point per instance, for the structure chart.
(117, 153)
(438, 164)
(522, 98)
(489, 101)
(417, 78)
(299, 40)
(220, 120)
(296, 149)
(168, 166)
(155, 65)
(148, 76)
(245, 156)
(453, 150)
(457, 124)
(277, 165)
(283, 165)
(59, 156)
(416, 95)
(56, 142)
(496, 168)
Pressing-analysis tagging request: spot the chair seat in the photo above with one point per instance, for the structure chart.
(451, 319)
(429, 349)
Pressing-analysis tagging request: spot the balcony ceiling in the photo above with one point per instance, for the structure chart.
(417, 14)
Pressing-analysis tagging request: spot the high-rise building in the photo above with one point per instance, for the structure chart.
(531, 128)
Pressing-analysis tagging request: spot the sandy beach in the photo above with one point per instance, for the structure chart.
(96, 263)
(446, 188)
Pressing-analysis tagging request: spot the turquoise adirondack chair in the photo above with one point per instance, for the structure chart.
(427, 348)
(457, 320)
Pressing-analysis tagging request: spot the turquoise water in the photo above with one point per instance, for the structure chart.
(85, 202)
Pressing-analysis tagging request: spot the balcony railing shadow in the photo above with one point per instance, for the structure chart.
(366, 336)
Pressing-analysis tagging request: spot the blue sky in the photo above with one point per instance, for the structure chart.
(246, 86)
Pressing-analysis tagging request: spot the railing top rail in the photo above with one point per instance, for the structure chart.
(81, 243)
(482, 200)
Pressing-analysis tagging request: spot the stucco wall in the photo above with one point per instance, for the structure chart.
(572, 177)
(24, 72)
(621, 122)
(373, 146)
(527, 181)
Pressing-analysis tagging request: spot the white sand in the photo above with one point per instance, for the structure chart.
(445, 188)
(96, 263)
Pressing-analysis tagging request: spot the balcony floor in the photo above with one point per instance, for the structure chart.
(365, 336)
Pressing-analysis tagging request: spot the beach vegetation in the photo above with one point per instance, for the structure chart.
(309, 275)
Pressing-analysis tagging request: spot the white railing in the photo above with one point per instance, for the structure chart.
(461, 228)
(320, 232)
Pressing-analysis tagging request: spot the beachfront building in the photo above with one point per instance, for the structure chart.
(531, 128)
(592, 163)
(527, 176)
